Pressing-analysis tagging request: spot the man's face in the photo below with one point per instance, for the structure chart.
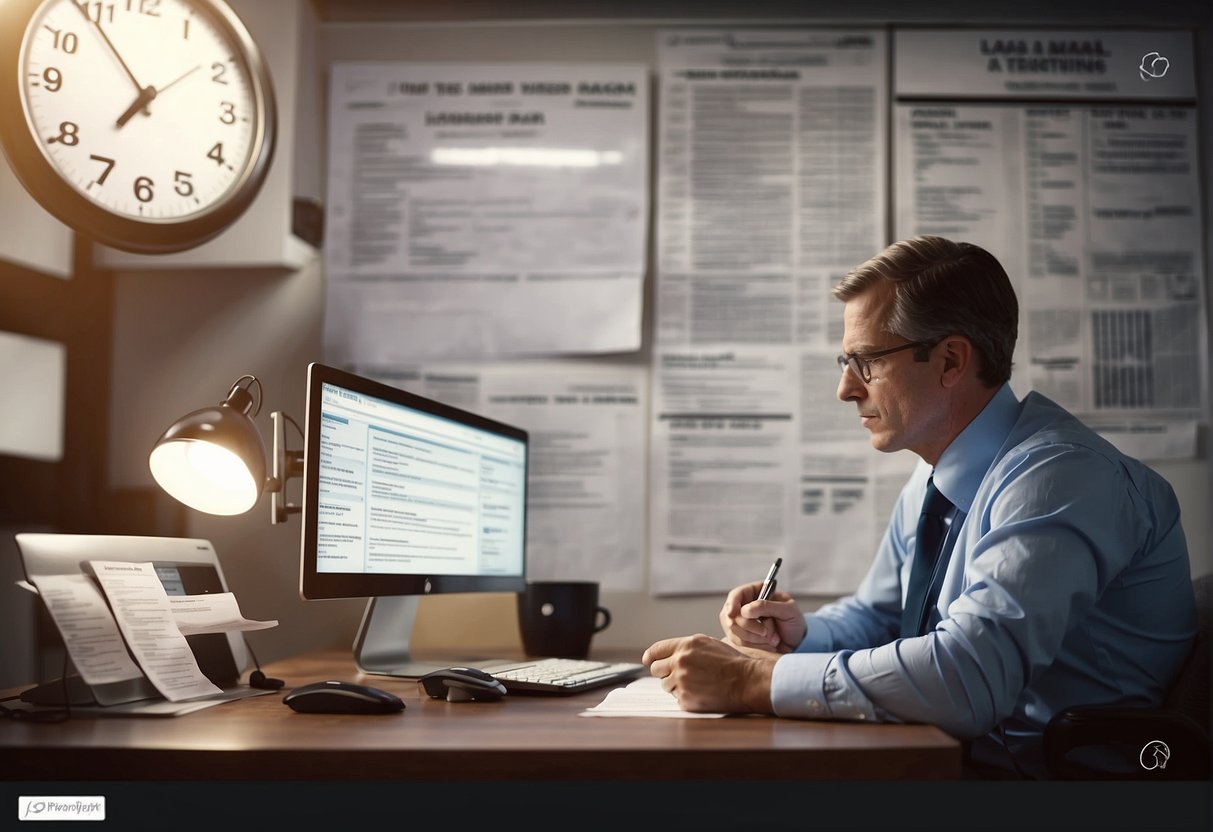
(904, 407)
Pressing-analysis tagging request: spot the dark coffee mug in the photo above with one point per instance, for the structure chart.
(559, 618)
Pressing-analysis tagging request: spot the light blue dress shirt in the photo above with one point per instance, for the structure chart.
(1068, 583)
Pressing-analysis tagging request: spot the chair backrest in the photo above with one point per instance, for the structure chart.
(1190, 693)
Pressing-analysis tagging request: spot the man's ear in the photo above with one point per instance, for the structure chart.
(959, 360)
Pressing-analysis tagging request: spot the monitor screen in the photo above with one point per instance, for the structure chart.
(403, 495)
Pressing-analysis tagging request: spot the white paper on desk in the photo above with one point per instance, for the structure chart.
(145, 617)
(212, 613)
(89, 631)
(643, 697)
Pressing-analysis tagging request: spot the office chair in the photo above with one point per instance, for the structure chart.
(1102, 742)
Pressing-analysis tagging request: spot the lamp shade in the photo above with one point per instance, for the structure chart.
(213, 459)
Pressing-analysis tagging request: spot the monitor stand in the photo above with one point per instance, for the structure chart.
(382, 646)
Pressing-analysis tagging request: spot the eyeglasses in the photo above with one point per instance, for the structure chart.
(861, 362)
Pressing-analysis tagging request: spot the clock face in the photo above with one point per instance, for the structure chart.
(146, 124)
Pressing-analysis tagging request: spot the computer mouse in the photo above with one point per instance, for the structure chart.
(462, 684)
(334, 697)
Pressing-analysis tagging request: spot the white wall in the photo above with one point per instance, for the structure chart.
(181, 338)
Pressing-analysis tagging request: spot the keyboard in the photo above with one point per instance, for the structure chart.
(561, 676)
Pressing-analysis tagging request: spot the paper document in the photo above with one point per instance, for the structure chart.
(771, 186)
(212, 613)
(1094, 209)
(89, 631)
(643, 697)
(485, 210)
(141, 608)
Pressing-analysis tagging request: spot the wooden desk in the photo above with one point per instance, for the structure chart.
(519, 738)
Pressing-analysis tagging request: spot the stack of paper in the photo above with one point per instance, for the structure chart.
(644, 697)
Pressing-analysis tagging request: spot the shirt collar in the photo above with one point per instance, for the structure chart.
(964, 463)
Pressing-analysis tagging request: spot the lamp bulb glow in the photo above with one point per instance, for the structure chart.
(204, 476)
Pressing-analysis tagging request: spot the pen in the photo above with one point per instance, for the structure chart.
(768, 585)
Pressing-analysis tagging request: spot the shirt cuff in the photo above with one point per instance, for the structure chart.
(818, 686)
(797, 686)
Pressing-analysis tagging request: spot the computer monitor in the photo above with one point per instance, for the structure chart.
(403, 497)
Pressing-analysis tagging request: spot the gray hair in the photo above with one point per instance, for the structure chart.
(943, 288)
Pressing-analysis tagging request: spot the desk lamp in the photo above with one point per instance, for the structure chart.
(214, 459)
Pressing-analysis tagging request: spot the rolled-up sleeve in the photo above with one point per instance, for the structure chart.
(818, 686)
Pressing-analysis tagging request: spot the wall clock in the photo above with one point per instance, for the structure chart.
(146, 125)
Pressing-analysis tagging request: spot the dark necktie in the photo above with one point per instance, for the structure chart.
(932, 531)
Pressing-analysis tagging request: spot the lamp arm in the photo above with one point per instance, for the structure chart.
(287, 464)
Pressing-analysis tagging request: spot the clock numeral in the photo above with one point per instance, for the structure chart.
(228, 116)
(109, 165)
(185, 29)
(143, 189)
(216, 153)
(99, 11)
(52, 79)
(151, 8)
(68, 134)
(184, 186)
(67, 41)
(219, 69)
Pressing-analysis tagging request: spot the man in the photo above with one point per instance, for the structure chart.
(1061, 573)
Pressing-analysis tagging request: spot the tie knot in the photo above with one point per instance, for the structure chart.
(935, 503)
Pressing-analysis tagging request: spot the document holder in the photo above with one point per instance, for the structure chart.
(191, 567)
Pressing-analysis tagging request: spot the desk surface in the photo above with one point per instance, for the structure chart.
(518, 738)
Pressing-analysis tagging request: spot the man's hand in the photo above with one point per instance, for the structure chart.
(775, 625)
(706, 675)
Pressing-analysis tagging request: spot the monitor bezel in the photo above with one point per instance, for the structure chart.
(316, 585)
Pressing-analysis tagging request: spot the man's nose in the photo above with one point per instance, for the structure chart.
(850, 387)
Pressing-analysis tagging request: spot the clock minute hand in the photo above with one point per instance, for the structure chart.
(97, 25)
(148, 94)
(180, 77)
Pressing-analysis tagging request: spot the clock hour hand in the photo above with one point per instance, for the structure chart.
(142, 100)
(147, 94)
(97, 25)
